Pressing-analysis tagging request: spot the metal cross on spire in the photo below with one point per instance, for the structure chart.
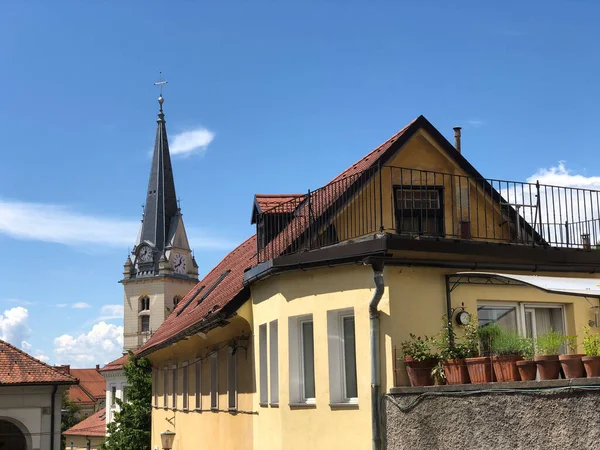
(160, 83)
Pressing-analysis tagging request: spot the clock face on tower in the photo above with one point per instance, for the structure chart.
(145, 254)
(179, 262)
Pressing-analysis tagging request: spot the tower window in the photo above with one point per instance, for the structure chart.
(145, 303)
(145, 324)
(176, 300)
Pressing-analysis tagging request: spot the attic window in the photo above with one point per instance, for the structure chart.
(190, 300)
(215, 284)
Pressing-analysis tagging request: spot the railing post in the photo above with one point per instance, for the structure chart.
(258, 238)
(309, 224)
(567, 231)
(380, 197)
(539, 210)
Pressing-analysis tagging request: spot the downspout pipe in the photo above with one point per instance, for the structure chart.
(53, 416)
(375, 355)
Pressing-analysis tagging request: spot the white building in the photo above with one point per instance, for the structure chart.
(30, 404)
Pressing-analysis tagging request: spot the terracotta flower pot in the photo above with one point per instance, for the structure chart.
(480, 369)
(592, 365)
(527, 370)
(505, 367)
(572, 366)
(548, 366)
(419, 372)
(456, 371)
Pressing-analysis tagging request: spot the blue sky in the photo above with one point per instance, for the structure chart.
(262, 97)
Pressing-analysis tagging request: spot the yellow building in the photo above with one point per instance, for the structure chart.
(289, 343)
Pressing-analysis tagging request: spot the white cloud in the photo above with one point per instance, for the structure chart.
(42, 357)
(112, 310)
(13, 326)
(25, 346)
(81, 305)
(475, 123)
(192, 141)
(561, 176)
(60, 224)
(61, 305)
(19, 301)
(102, 344)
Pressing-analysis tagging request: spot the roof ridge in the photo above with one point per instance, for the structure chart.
(28, 356)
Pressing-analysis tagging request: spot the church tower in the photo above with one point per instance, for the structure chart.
(161, 269)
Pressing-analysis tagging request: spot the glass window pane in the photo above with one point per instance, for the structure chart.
(274, 361)
(213, 382)
(174, 397)
(231, 381)
(350, 358)
(198, 386)
(505, 316)
(308, 358)
(185, 387)
(262, 354)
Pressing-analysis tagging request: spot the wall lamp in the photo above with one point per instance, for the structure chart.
(167, 438)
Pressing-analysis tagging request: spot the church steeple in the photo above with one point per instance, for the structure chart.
(161, 201)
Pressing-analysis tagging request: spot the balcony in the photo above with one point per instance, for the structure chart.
(425, 204)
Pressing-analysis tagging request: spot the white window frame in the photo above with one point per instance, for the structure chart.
(113, 395)
(185, 401)
(274, 362)
(520, 308)
(174, 386)
(263, 365)
(198, 385)
(231, 372)
(296, 360)
(337, 363)
(214, 381)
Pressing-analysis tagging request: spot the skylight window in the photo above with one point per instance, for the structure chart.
(190, 300)
(215, 284)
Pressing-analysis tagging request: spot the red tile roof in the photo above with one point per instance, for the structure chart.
(17, 367)
(91, 381)
(268, 201)
(177, 323)
(95, 425)
(117, 364)
(79, 396)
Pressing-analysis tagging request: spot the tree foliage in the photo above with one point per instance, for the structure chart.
(70, 416)
(130, 428)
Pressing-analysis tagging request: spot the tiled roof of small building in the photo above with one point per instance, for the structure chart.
(17, 367)
(269, 201)
(92, 381)
(117, 364)
(95, 425)
(79, 396)
(223, 284)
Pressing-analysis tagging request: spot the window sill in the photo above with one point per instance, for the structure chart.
(232, 410)
(264, 405)
(198, 410)
(274, 405)
(350, 405)
(215, 410)
(303, 405)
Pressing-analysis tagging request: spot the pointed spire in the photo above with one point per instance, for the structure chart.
(161, 200)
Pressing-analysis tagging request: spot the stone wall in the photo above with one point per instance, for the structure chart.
(556, 414)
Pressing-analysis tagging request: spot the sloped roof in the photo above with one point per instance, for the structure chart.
(117, 364)
(17, 368)
(264, 202)
(95, 425)
(189, 315)
(79, 396)
(91, 381)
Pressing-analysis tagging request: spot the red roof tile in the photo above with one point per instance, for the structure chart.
(95, 425)
(269, 201)
(17, 367)
(91, 381)
(79, 396)
(236, 262)
(117, 364)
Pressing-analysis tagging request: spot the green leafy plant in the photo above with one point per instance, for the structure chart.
(487, 334)
(450, 345)
(528, 349)
(418, 348)
(510, 343)
(571, 342)
(549, 343)
(591, 342)
(471, 339)
(131, 428)
(71, 415)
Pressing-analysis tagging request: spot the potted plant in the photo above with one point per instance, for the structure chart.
(480, 341)
(527, 367)
(508, 349)
(547, 347)
(453, 354)
(419, 360)
(571, 364)
(591, 360)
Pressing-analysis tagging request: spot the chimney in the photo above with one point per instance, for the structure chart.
(97, 367)
(457, 138)
(64, 369)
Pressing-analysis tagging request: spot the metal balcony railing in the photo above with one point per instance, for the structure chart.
(430, 204)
